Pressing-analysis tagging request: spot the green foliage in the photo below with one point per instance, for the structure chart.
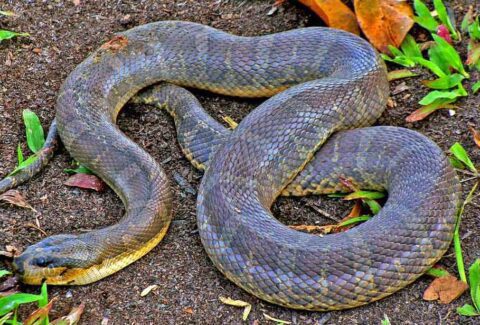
(35, 140)
(364, 195)
(437, 273)
(445, 18)
(79, 170)
(474, 279)
(354, 220)
(34, 131)
(424, 17)
(461, 154)
(7, 34)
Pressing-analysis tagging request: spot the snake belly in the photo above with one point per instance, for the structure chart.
(333, 81)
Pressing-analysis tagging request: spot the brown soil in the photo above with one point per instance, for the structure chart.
(31, 72)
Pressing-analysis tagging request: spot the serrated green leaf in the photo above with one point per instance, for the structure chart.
(474, 279)
(467, 310)
(34, 131)
(354, 220)
(476, 87)
(410, 48)
(461, 154)
(432, 66)
(450, 55)
(424, 17)
(20, 157)
(364, 195)
(7, 34)
(446, 82)
(9, 303)
(445, 18)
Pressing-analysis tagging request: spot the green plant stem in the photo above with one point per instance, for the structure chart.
(456, 236)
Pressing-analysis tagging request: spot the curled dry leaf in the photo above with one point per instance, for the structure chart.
(39, 315)
(148, 289)
(334, 13)
(314, 229)
(90, 182)
(72, 318)
(384, 22)
(445, 289)
(188, 310)
(14, 197)
(476, 135)
(238, 303)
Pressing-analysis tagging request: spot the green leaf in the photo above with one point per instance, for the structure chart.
(385, 320)
(474, 30)
(337, 195)
(364, 195)
(11, 302)
(374, 206)
(444, 18)
(79, 170)
(461, 154)
(446, 82)
(410, 48)
(30, 160)
(438, 273)
(437, 94)
(424, 18)
(432, 66)
(467, 20)
(400, 60)
(44, 294)
(456, 163)
(400, 74)
(467, 310)
(476, 87)
(34, 130)
(4, 272)
(20, 157)
(474, 279)
(354, 220)
(450, 55)
(6, 34)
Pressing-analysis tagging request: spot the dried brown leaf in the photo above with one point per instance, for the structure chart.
(86, 181)
(445, 289)
(72, 318)
(40, 314)
(334, 13)
(384, 22)
(14, 197)
(476, 135)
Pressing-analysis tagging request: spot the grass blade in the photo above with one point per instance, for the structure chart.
(34, 130)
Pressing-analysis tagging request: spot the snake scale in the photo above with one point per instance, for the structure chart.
(323, 82)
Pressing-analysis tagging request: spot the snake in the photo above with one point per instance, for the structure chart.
(324, 90)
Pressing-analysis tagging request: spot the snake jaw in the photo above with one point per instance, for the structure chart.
(53, 260)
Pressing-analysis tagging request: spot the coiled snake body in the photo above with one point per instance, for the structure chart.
(333, 81)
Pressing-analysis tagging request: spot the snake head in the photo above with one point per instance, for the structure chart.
(57, 259)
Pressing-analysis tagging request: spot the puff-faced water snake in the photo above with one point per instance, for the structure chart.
(326, 81)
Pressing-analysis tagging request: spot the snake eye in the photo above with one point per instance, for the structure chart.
(41, 262)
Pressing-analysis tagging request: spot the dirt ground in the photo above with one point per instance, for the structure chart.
(31, 72)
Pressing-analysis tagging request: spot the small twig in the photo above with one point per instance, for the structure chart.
(323, 212)
(32, 225)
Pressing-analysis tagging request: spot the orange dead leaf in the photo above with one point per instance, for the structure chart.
(39, 315)
(116, 43)
(476, 135)
(188, 310)
(334, 13)
(384, 22)
(14, 197)
(72, 318)
(445, 289)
